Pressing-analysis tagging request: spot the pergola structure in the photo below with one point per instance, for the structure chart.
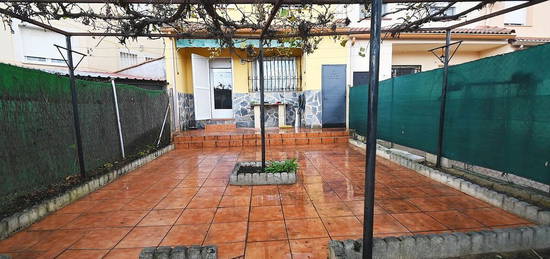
(374, 61)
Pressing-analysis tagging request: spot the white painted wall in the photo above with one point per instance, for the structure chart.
(153, 69)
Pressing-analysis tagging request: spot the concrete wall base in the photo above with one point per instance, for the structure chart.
(523, 209)
(179, 252)
(23, 219)
(447, 245)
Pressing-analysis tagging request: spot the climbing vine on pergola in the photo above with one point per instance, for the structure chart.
(300, 24)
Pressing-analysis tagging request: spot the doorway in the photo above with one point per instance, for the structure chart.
(221, 83)
(333, 87)
(212, 87)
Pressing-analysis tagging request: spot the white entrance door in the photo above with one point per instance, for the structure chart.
(201, 87)
(221, 81)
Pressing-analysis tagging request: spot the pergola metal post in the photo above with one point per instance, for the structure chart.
(372, 114)
(443, 98)
(74, 100)
(262, 106)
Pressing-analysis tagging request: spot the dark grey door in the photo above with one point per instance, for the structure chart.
(334, 95)
(360, 78)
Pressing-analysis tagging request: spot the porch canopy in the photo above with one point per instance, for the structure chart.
(375, 31)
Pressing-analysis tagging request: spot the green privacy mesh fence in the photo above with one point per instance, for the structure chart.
(37, 137)
(497, 113)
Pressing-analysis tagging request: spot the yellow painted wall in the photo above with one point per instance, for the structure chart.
(184, 73)
(428, 61)
(328, 52)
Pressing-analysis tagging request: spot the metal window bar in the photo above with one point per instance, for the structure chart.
(280, 74)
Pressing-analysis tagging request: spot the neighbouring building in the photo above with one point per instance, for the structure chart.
(33, 47)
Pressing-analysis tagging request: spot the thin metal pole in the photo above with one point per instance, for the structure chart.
(443, 99)
(74, 100)
(262, 107)
(163, 123)
(370, 167)
(118, 119)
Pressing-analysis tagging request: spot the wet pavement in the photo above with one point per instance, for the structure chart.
(183, 198)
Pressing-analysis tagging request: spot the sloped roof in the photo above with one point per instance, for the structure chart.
(484, 30)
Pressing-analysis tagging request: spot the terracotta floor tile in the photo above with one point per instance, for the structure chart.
(95, 220)
(385, 224)
(140, 205)
(300, 211)
(79, 206)
(204, 202)
(410, 192)
(266, 213)
(101, 238)
(182, 192)
(185, 235)
(215, 182)
(110, 205)
(196, 216)
(417, 222)
(333, 209)
(22, 241)
(123, 218)
(268, 250)
(56, 241)
(160, 218)
(261, 190)
(266, 200)
(144, 237)
(123, 253)
(54, 221)
(173, 203)
(266, 231)
(494, 217)
(305, 228)
(227, 232)
(83, 254)
(455, 219)
(196, 182)
(357, 207)
(430, 204)
(230, 250)
(235, 201)
(238, 191)
(463, 202)
(295, 198)
(327, 199)
(343, 226)
(210, 191)
(309, 248)
(236, 214)
(397, 206)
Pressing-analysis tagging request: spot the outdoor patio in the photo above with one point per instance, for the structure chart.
(183, 198)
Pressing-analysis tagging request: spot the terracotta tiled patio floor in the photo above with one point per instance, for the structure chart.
(183, 198)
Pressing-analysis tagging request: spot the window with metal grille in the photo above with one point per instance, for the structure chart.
(128, 59)
(280, 74)
(401, 70)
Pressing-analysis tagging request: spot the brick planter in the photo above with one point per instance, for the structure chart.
(237, 178)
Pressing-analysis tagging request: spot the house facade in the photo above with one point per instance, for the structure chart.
(221, 87)
(216, 87)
